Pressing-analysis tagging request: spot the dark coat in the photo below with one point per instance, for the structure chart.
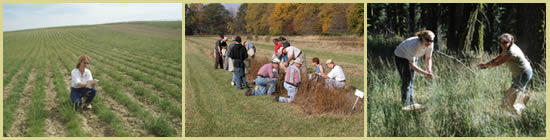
(238, 54)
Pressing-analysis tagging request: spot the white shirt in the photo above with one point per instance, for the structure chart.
(292, 51)
(337, 73)
(518, 64)
(76, 77)
(410, 49)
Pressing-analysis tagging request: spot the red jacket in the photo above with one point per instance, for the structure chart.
(277, 47)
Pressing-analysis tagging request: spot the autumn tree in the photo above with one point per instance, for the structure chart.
(355, 18)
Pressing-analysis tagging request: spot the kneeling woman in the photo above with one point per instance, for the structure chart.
(520, 68)
(82, 83)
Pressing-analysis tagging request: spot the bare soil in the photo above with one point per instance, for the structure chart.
(19, 127)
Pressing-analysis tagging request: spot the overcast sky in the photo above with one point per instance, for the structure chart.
(19, 16)
(232, 7)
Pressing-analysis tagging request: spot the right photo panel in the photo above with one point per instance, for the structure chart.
(456, 69)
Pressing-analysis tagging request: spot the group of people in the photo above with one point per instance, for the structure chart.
(408, 52)
(292, 61)
(236, 57)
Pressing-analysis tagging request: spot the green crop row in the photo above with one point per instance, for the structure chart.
(103, 111)
(12, 102)
(157, 126)
(163, 49)
(68, 114)
(164, 104)
(167, 68)
(138, 76)
(37, 114)
(176, 81)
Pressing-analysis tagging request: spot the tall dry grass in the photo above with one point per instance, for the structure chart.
(458, 102)
(313, 97)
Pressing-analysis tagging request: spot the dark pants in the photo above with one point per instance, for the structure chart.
(219, 61)
(78, 93)
(407, 79)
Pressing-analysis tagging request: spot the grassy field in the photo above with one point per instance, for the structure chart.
(215, 108)
(459, 102)
(138, 65)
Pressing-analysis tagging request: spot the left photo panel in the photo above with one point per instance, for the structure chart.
(92, 70)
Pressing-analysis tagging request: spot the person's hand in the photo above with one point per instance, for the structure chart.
(429, 75)
(318, 73)
(286, 64)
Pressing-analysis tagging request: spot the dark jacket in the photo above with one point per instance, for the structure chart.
(238, 54)
(218, 46)
(286, 44)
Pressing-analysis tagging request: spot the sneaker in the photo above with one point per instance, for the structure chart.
(519, 108)
(248, 92)
(88, 106)
(232, 83)
(413, 107)
(276, 99)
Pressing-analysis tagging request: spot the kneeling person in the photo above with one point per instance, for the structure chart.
(266, 75)
(292, 81)
(336, 77)
(82, 83)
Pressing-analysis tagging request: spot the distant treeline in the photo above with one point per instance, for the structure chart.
(464, 27)
(275, 19)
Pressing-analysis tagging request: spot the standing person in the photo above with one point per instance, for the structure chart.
(82, 83)
(239, 54)
(319, 70)
(520, 68)
(267, 75)
(218, 53)
(251, 51)
(406, 58)
(277, 46)
(229, 61)
(284, 43)
(224, 50)
(336, 77)
(296, 55)
(292, 82)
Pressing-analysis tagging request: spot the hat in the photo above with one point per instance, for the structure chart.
(299, 62)
(224, 38)
(329, 61)
(275, 61)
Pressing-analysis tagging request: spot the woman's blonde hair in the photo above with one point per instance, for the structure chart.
(424, 34)
(507, 38)
(81, 59)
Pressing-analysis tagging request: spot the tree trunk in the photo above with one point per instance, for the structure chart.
(411, 19)
(455, 39)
